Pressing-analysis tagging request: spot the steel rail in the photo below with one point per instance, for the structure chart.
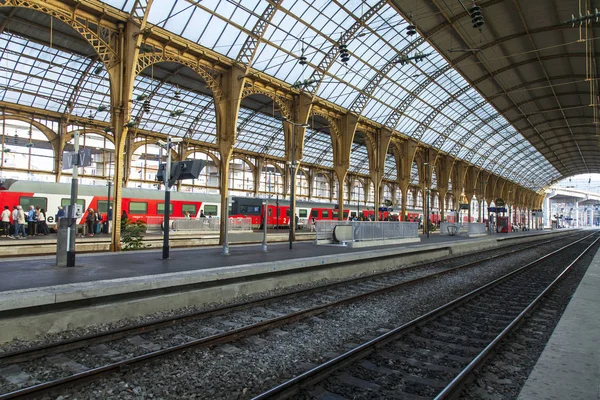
(317, 374)
(456, 384)
(80, 342)
(235, 334)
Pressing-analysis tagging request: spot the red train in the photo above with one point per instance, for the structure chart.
(148, 205)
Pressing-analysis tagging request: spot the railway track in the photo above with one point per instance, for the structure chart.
(83, 359)
(435, 355)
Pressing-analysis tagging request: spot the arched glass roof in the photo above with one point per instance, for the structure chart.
(426, 100)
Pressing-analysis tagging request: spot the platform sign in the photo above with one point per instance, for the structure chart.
(85, 158)
(464, 206)
(500, 202)
(497, 209)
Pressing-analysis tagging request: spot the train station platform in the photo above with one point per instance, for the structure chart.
(569, 367)
(37, 297)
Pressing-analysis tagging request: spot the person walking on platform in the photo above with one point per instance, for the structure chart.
(89, 220)
(31, 221)
(21, 223)
(6, 221)
(42, 225)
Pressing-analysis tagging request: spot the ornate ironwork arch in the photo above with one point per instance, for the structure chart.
(98, 40)
(283, 103)
(210, 76)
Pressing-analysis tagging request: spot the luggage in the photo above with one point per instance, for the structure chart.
(97, 228)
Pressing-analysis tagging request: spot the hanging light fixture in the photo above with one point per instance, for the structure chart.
(476, 16)
(344, 55)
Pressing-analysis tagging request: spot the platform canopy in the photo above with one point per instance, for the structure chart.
(512, 97)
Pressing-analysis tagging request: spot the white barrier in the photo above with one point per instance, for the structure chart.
(449, 228)
(365, 231)
(476, 229)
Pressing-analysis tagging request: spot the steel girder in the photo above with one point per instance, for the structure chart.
(327, 62)
(248, 50)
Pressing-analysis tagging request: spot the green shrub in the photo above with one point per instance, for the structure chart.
(132, 235)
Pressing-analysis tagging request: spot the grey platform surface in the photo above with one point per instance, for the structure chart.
(40, 271)
(569, 367)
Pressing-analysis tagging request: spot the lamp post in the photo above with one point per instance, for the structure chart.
(293, 180)
(108, 217)
(426, 222)
(265, 221)
(166, 176)
(71, 217)
(228, 203)
(357, 202)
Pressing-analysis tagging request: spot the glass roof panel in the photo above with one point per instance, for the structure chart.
(317, 148)
(414, 174)
(186, 113)
(38, 76)
(260, 133)
(390, 168)
(359, 159)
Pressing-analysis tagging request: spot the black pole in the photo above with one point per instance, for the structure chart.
(292, 188)
(165, 253)
(72, 221)
(166, 177)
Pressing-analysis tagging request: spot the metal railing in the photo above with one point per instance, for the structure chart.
(200, 224)
(369, 230)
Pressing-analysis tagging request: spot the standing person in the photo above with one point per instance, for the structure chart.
(123, 220)
(89, 220)
(21, 223)
(186, 215)
(31, 221)
(6, 221)
(109, 216)
(59, 215)
(42, 226)
(296, 220)
(15, 217)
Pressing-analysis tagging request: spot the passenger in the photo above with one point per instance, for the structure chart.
(186, 215)
(21, 223)
(59, 215)
(313, 223)
(109, 217)
(31, 221)
(42, 226)
(15, 217)
(6, 221)
(123, 220)
(89, 220)
(296, 220)
(202, 214)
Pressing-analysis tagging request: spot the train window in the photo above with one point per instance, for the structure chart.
(102, 206)
(26, 201)
(303, 213)
(335, 215)
(191, 208)
(249, 209)
(325, 213)
(160, 208)
(65, 202)
(138, 207)
(314, 213)
(287, 212)
(211, 210)
(345, 214)
(270, 211)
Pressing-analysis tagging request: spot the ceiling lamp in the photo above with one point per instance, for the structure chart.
(476, 16)
(146, 106)
(344, 56)
(176, 113)
(302, 59)
(411, 30)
